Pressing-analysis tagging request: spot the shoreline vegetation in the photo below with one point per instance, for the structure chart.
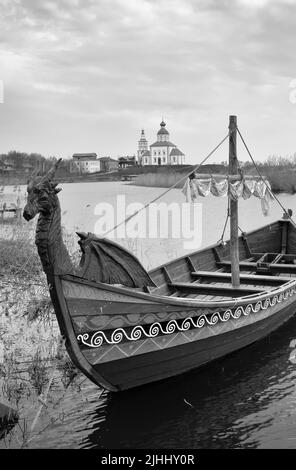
(32, 353)
(280, 171)
(282, 178)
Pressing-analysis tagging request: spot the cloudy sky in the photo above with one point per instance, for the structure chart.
(87, 75)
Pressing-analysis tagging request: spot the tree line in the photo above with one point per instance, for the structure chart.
(20, 161)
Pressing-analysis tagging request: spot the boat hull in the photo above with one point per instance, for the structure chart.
(161, 338)
(159, 365)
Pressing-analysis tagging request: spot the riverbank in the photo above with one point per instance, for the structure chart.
(281, 180)
(62, 176)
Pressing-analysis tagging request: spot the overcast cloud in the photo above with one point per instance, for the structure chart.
(88, 75)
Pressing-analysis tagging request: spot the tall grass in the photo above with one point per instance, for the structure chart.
(165, 177)
(30, 341)
(281, 178)
(281, 181)
(160, 180)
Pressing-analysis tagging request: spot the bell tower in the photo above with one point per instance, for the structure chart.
(142, 146)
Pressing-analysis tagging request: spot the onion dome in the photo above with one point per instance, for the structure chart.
(162, 129)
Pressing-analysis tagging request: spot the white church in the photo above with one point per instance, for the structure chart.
(162, 152)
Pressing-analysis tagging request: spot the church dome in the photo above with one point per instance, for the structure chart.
(162, 129)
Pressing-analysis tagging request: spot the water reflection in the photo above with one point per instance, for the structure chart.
(227, 405)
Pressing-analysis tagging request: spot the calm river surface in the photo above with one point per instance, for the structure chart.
(247, 400)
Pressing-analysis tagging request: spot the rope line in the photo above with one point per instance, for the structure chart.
(221, 239)
(259, 173)
(170, 188)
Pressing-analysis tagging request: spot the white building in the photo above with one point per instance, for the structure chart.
(85, 163)
(162, 152)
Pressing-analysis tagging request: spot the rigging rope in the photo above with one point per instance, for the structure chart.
(259, 173)
(221, 239)
(170, 188)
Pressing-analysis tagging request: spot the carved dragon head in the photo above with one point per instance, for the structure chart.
(42, 194)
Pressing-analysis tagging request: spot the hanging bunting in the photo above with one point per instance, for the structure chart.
(222, 187)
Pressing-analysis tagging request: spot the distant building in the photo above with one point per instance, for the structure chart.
(85, 163)
(8, 166)
(27, 167)
(127, 162)
(108, 164)
(142, 146)
(162, 152)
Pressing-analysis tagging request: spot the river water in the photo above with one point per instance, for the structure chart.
(247, 400)
(83, 205)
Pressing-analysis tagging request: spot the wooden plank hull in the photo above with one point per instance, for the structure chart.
(123, 338)
(159, 365)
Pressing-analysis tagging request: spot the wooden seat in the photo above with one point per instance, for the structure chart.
(249, 278)
(215, 290)
(249, 265)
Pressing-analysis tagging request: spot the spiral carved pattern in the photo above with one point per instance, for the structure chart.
(138, 332)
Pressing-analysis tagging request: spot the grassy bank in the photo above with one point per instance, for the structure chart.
(32, 354)
(168, 176)
(280, 180)
(160, 180)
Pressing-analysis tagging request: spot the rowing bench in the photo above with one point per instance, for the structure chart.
(217, 276)
(208, 289)
(262, 267)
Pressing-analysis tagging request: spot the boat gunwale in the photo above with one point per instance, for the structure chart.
(180, 300)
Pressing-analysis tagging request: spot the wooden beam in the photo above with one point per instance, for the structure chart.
(252, 266)
(234, 242)
(284, 236)
(190, 263)
(216, 254)
(278, 257)
(248, 265)
(286, 256)
(247, 246)
(208, 289)
(166, 275)
(262, 258)
(219, 276)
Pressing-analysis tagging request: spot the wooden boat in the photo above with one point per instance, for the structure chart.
(125, 327)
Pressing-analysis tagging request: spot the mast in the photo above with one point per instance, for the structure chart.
(233, 170)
